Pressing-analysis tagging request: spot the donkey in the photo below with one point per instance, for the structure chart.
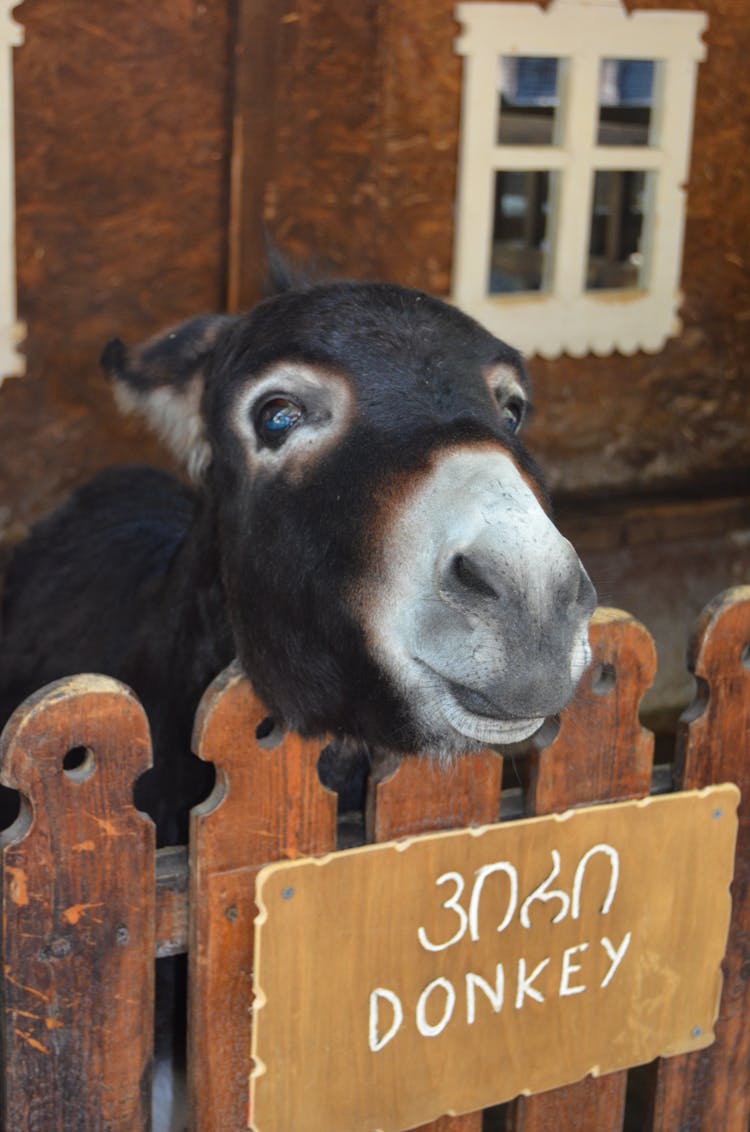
(366, 533)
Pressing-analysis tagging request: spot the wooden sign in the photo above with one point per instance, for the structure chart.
(447, 973)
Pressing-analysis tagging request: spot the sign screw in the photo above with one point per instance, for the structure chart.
(287, 893)
(717, 814)
(696, 1032)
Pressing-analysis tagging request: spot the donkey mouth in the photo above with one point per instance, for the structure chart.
(476, 703)
(474, 716)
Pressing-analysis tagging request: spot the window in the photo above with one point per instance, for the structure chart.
(11, 331)
(575, 139)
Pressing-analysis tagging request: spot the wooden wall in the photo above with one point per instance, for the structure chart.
(362, 171)
(152, 140)
(122, 165)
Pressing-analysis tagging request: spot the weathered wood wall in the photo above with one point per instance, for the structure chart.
(151, 144)
(362, 170)
(122, 150)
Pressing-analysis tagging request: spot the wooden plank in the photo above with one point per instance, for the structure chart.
(473, 965)
(421, 796)
(171, 900)
(259, 34)
(78, 913)
(712, 1089)
(601, 752)
(268, 804)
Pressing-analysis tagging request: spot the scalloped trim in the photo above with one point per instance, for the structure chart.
(568, 319)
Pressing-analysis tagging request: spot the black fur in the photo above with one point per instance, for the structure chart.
(139, 577)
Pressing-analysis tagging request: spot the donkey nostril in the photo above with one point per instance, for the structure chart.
(469, 576)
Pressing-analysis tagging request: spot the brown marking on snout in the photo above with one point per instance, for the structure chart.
(533, 485)
(400, 486)
(389, 506)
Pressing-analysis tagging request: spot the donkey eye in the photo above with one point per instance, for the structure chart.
(512, 416)
(276, 418)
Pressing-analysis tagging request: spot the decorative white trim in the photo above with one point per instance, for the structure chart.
(566, 317)
(12, 332)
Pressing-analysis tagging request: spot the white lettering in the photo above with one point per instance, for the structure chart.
(423, 1025)
(569, 969)
(476, 895)
(376, 1040)
(495, 995)
(541, 893)
(614, 860)
(453, 904)
(524, 989)
(616, 956)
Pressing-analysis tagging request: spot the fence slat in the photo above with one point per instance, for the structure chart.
(711, 1089)
(422, 797)
(271, 806)
(78, 913)
(600, 753)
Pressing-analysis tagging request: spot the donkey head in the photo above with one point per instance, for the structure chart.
(389, 565)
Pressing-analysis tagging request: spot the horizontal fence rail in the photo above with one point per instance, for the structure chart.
(87, 901)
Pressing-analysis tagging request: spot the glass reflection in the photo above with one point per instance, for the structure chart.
(626, 93)
(616, 258)
(528, 99)
(520, 234)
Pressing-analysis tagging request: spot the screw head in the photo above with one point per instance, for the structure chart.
(287, 893)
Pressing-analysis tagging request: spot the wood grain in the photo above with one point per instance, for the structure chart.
(712, 1089)
(360, 175)
(264, 33)
(122, 160)
(268, 804)
(123, 137)
(78, 914)
(421, 797)
(368, 1011)
(171, 900)
(600, 753)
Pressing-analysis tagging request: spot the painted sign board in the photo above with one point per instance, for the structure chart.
(447, 973)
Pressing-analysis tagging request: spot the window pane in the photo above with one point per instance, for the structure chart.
(528, 99)
(626, 92)
(520, 235)
(615, 253)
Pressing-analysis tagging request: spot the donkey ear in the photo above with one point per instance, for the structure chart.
(164, 380)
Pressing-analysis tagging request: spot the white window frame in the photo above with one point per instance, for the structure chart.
(566, 318)
(12, 363)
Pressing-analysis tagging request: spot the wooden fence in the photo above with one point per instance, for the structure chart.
(87, 901)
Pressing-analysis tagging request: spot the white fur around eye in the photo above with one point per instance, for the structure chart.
(506, 387)
(327, 402)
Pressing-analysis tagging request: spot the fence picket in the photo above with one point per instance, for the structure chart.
(421, 797)
(711, 1089)
(270, 805)
(600, 753)
(79, 882)
(78, 913)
